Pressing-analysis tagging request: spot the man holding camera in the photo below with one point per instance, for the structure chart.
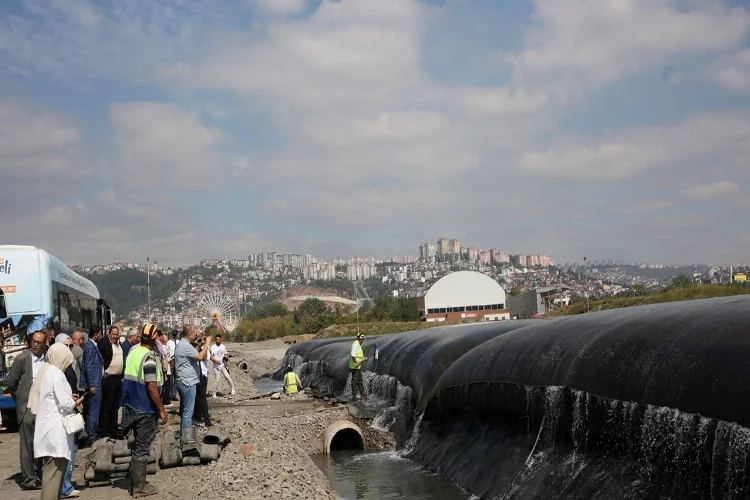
(187, 364)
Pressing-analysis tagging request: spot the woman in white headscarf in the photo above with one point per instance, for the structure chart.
(51, 399)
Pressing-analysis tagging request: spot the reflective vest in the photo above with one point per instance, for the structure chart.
(291, 384)
(134, 391)
(360, 356)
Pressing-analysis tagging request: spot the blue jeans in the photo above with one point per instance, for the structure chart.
(187, 403)
(67, 487)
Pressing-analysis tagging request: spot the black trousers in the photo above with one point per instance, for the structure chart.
(111, 395)
(144, 432)
(201, 402)
(166, 390)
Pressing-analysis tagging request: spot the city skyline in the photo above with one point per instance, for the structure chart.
(184, 130)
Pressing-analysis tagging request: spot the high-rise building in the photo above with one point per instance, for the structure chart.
(522, 260)
(499, 256)
(473, 254)
(484, 257)
(442, 249)
(454, 250)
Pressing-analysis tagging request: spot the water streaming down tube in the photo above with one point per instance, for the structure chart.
(647, 402)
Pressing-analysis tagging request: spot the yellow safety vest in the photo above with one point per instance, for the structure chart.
(134, 389)
(360, 357)
(291, 385)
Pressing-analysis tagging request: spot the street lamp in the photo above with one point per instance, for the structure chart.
(148, 286)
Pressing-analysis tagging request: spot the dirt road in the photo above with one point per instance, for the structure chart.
(267, 458)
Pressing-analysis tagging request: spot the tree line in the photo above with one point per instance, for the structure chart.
(274, 320)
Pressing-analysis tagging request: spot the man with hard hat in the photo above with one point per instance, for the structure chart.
(357, 357)
(141, 399)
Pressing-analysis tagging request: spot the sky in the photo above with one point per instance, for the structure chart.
(189, 129)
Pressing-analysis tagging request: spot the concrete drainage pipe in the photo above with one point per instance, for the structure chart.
(243, 366)
(343, 435)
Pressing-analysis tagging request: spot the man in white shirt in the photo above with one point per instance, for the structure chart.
(218, 352)
(172, 382)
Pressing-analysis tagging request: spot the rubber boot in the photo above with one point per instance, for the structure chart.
(141, 488)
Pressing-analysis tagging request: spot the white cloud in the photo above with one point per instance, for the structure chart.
(280, 6)
(130, 225)
(165, 145)
(39, 144)
(724, 137)
(366, 136)
(575, 45)
(76, 41)
(733, 71)
(712, 190)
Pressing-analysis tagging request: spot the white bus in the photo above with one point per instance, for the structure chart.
(38, 291)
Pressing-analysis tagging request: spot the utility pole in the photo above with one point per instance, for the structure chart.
(356, 298)
(586, 279)
(148, 286)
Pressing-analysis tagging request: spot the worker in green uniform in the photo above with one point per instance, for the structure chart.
(292, 384)
(141, 402)
(357, 357)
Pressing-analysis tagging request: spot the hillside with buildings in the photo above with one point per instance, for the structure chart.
(291, 278)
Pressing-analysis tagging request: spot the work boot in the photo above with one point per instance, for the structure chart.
(138, 480)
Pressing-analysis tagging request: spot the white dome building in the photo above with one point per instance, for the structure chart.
(464, 295)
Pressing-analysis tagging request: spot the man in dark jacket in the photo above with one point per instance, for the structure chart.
(20, 379)
(92, 374)
(114, 364)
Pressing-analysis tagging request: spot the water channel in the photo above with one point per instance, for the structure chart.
(362, 475)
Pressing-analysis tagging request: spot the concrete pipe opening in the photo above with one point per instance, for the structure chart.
(242, 365)
(343, 435)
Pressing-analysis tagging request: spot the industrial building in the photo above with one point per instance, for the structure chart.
(534, 302)
(464, 296)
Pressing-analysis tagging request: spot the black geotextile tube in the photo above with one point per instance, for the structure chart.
(693, 356)
(416, 359)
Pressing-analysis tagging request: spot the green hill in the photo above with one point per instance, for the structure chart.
(666, 295)
(125, 289)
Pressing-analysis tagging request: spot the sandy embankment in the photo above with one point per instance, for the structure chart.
(267, 458)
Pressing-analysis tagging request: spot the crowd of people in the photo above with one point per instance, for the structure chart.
(71, 391)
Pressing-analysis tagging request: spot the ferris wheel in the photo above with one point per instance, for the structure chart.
(220, 310)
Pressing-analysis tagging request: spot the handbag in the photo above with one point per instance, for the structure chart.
(73, 423)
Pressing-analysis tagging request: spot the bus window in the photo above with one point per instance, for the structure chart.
(64, 303)
(86, 317)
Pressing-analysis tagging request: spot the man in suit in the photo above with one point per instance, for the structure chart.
(114, 365)
(22, 374)
(92, 373)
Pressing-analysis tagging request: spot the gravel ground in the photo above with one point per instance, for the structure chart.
(267, 458)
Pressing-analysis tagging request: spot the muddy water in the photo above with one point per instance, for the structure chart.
(362, 475)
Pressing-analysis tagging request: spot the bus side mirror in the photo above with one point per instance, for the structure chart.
(3, 308)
